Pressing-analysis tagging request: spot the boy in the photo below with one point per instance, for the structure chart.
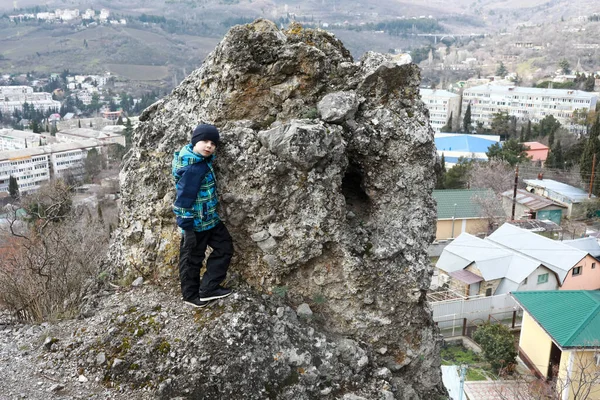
(196, 210)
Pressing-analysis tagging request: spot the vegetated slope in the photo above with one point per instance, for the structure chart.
(47, 48)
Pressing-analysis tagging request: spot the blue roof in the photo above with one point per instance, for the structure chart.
(466, 143)
(454, 160)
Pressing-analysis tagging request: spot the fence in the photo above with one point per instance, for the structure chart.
(462, 316)
(452, 326)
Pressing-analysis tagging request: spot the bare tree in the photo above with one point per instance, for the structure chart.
(51, 258)
(578, 380)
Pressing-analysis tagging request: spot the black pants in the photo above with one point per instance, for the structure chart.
(190, 261)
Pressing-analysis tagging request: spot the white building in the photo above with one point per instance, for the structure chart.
(105, 137)
(441, 104)
(526, 103)
(34, 166)
(67, 14)
(12, 139)
(13, 97)
(104, 14)
(88, 14)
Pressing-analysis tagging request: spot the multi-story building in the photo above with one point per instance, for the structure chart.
(13, 97)
(77, 134)
(11, 139)
(527, 104)
(441, 104)
(34, 166)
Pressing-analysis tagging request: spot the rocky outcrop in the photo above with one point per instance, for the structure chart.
(325, 175)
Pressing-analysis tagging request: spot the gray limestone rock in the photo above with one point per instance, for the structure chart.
(338, 107)
(289, 182)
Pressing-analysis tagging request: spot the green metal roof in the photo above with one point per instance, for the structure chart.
(466, 201)
(570, 317)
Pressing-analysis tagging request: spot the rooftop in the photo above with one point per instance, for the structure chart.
(463, 203)
(570, 317)
(557, 256)
(530, 200)
(12, 155)
(575, 194)
(492, 260)
(437, 92)
(498, 89)
(464, 143)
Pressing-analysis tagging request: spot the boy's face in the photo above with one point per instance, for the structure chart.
(204, 148)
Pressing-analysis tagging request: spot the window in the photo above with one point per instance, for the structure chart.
(577, 271)
(543, 278)
(488, 292)
(525, 281)
(593, 265)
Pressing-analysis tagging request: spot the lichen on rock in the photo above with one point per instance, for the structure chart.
(325, 174)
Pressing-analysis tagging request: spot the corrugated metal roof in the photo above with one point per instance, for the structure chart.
(530, 200)
(588, 244)
(466, 201)
(492, 260)
(466, 143)
(575, 194)
(555, 255)
(570, 317)
(466, 276)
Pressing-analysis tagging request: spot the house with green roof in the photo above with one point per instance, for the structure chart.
(465, 210)
(560, 339)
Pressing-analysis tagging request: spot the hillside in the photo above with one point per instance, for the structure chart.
(187, 30)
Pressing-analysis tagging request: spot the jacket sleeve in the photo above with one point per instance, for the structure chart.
(188, 186)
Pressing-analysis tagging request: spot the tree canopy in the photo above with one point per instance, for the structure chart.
(510, 151)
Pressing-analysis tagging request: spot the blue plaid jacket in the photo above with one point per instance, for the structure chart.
(196, 201)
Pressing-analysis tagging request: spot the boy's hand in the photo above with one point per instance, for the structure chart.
(189, 239)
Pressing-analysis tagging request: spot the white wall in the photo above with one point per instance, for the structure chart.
(532, 284)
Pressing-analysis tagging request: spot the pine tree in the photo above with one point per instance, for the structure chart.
(441, 173)
(13, 187)
(127, 132)
(448, 126)
(522, 135)
(467, 119)
(556, 158)
(592, 146)
(528, 131)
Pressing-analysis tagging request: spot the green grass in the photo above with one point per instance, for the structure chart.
(457, 354)
(476, 374)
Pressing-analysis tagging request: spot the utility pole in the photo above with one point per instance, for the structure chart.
(592, 177)
(514, 201)
(463, 373)
(453, 218)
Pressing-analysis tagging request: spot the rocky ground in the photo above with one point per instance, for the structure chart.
(142, 342)
(35, 360)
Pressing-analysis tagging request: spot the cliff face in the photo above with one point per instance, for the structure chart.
(325, 175)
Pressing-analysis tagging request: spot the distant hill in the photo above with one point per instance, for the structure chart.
(182, 32)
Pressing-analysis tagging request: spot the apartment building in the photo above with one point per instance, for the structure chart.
(77, 134)
(526, 103)
(34, 166)
(13, 97)
(441, 103)
(12, 139)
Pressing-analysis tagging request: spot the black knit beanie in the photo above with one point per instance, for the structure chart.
(205, 132)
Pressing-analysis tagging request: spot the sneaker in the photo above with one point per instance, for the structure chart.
(218, 293)
(196, 302)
